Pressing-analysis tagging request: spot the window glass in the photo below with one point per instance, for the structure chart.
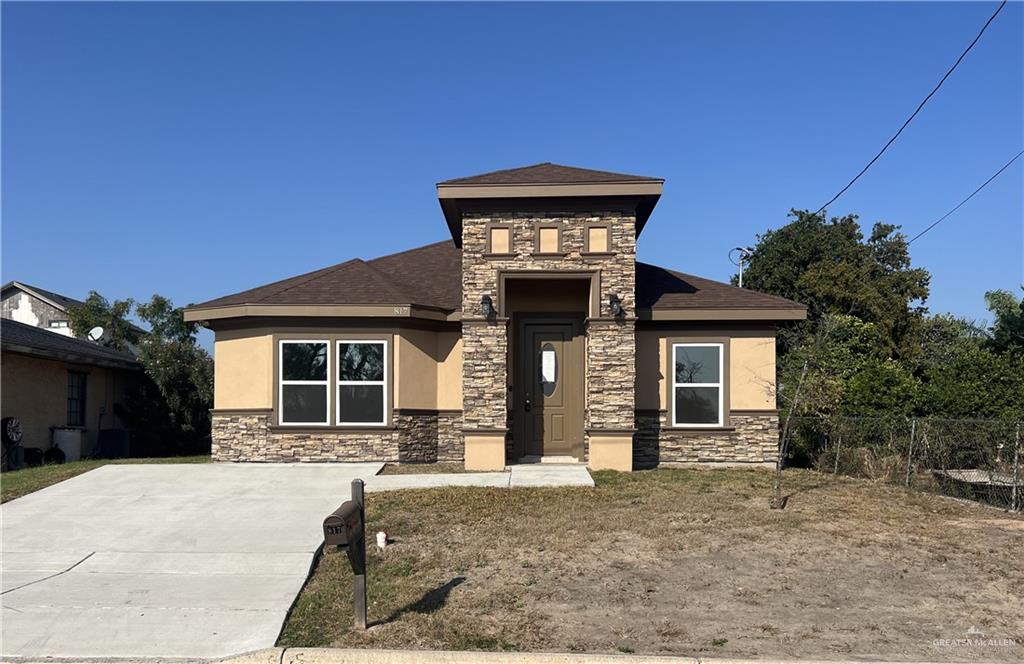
(360, 361)
(697, 385)
(361, 404)
(304, 361)
(76, 398)
(697, 405)
(303, 404)
(697, 364)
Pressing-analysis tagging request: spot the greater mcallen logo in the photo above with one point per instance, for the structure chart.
(974, 638)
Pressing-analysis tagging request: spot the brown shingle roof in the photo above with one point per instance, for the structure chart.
(428, 276)
(431, 276)
(16, 337)
(659, 288)
(548, 173)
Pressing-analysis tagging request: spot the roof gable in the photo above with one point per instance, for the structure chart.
(62, 302)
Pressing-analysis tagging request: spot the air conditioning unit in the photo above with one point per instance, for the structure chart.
(70, 441)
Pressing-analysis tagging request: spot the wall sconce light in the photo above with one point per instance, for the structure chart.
(486, 306)
(615, 304)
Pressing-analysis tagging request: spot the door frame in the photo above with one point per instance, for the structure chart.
(516, 349)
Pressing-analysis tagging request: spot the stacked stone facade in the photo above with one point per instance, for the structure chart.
(749, 438)
(610, 366)
(418, 437)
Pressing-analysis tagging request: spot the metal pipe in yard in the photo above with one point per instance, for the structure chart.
(910, 450)
(839, 446)
(1014, 495)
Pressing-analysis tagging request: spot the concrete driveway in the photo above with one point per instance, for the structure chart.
(184, 561)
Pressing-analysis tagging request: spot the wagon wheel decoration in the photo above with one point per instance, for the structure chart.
(11, 430)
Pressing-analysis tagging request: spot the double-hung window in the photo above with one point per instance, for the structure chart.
(697, 390)
(362, 383)
(304, 386)
(76, 398)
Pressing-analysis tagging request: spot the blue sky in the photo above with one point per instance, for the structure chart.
(195, 150)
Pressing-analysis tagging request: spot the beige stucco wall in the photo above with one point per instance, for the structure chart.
(449, 370)
(426, 368)
(243, 371)
(751, 366)
(415, 369)
(35, 390)
(752, 372)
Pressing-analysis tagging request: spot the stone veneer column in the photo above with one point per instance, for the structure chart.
(609, 416)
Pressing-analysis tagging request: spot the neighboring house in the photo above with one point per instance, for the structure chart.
(37, 307)
(41, 308)
(61, 389)
(532, 335)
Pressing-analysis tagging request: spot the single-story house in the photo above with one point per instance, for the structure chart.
(61, 390)
(532, 334)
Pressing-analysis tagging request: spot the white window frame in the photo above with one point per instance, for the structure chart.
(383, 383)
(720, 384)
(281, 382)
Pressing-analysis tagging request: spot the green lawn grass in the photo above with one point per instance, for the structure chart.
(17, 483)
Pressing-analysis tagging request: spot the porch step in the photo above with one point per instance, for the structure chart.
(550, 459)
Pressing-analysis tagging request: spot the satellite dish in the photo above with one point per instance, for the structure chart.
(95, 334)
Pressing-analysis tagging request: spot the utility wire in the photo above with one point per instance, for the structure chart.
(917, 110)
(961, 203)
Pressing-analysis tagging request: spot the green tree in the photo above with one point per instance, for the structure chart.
(97, 311)
(1008, 328)
(168, 409)
(882, 388)
(180, 369)
(944, 337)
(975, 382)
(822, 359)
(830, 267)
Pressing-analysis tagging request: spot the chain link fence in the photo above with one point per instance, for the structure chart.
(977, 460)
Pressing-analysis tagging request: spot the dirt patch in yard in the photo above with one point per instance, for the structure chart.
(689, 562)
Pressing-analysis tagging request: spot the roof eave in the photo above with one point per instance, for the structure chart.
(250, 310)
(647, 193)
(74, 358)
(722, 314)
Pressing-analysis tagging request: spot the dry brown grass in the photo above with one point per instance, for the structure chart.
(681, 561)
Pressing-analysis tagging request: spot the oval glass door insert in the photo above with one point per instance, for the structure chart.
(548, 369)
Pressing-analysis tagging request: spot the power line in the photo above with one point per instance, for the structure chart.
(917, 110)
(961, 203)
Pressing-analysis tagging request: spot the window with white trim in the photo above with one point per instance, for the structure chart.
(697, 390)
(362, 383)
(304, 385)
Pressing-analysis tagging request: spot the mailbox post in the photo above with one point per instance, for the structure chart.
(345, 528)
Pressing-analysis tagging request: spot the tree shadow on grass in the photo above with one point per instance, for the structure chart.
(431, 601)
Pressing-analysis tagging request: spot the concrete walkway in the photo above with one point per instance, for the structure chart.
(367, 656)
(528, 475)
(181, 561)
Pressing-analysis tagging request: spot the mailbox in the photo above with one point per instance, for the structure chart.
(344, 526)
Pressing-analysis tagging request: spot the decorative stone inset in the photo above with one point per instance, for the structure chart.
(418, 437)
(754, 438)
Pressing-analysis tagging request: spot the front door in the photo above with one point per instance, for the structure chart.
(550, 405)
